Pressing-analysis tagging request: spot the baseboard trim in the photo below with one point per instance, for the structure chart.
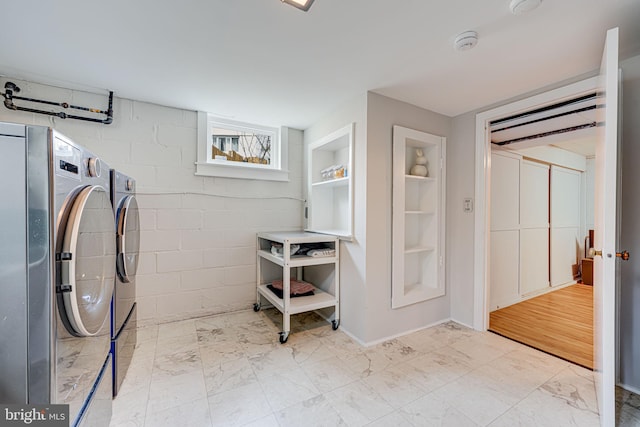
(629, 388)
(398, 335)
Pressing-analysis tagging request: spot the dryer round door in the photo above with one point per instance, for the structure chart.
(128, 239)
(88, 262)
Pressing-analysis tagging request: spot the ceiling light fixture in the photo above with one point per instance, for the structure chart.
(300, 4)
(466, 40)
(520, 7)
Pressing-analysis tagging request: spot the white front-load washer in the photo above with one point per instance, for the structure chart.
(57, 268)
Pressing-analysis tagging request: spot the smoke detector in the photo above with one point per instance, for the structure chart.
(520, 7)
(466, 40)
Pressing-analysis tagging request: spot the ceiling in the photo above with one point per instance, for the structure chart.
(265, 62)
(585, 146)
(569, 125)
(581, 142)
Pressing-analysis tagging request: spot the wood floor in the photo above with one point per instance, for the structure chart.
(559, 323)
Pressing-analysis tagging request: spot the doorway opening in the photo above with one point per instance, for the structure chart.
(541, 208)
(483, 180)
(485, 213)
(606, 270)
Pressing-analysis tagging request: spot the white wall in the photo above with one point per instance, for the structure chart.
(630, 236)
(382, 114)
(197, 252)
(353, 286)
(460, 224)
(365, 269)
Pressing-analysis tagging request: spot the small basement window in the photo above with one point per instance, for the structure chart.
(231, 149)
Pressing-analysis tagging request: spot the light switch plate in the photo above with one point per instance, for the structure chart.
(467, 205)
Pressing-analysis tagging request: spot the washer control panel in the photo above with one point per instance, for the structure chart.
(67, 159)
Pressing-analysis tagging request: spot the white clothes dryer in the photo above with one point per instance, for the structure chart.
(123, 305)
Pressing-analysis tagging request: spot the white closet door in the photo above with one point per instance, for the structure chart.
(534, 191)
(564, 254)
(565, 223)
(504, 268)
(534, 260)
(505, 230)
(505, 192)
(534, 227)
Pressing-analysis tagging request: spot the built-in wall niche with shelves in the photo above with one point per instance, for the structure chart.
(330, 184)
(418, 217)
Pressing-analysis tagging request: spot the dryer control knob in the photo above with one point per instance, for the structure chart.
(94, 167)
(129, 185)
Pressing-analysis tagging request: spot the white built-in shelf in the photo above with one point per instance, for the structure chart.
(338, 182)
(410, 288)
(419, 249)
(419, 212)
(420, 178)
(330, 202)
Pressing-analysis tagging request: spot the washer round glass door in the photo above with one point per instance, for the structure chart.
(128, 239)
(88, 265)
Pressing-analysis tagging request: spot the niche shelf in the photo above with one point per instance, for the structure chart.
(418, 219)
(330, 198)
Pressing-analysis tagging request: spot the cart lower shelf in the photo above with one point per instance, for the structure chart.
(297, 305)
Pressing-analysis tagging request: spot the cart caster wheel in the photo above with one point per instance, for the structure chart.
(284, 336)
(335, 324)
(256, 307)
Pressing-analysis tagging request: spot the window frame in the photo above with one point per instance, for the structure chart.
(277, 170)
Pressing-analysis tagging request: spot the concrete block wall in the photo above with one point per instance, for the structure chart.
(197, 233)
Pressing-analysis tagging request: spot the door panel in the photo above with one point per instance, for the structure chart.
(604, 267)
(565, 197)
(565, 251)
(534, 260)
(504, 266)
(566, 242)
(534, 227)
(505, 192)
(534, 195)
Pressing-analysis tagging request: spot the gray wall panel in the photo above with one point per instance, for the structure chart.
(630, 238)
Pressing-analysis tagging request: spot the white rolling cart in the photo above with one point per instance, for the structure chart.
(325, 278)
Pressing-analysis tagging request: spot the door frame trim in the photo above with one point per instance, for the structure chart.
(482, 187)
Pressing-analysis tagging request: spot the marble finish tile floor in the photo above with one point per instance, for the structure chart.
(230, 370)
